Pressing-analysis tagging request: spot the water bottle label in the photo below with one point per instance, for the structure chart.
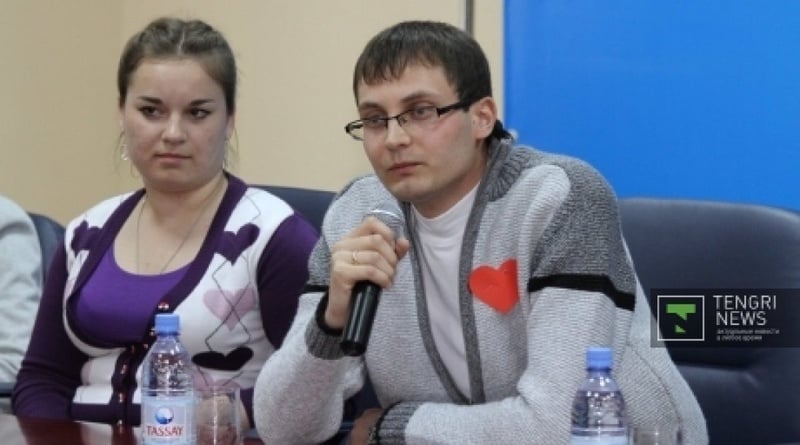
(167, 420)
(599, 440)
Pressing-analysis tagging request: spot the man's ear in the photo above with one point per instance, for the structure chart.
(484, 115)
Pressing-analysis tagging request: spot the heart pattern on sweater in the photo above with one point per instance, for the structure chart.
(231, 245)
(231, 305)
(497, 287)
(232, 361)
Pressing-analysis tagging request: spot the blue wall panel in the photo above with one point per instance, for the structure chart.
(696, 99)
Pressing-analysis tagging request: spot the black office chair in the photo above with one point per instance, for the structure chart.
(51, 233)
(311, 203)
(749, 395)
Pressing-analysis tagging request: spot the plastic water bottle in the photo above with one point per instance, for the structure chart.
(598, 410)
(167, 388)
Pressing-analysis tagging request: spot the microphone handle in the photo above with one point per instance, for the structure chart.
(359, 322)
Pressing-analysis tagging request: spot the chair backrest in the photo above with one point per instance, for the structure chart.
(748, 394)
(50, 234)
(311, 203)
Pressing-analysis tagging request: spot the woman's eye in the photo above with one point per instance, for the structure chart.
(148, 111)
(199, 113)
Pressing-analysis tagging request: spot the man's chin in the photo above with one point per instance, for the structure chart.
(403, 191)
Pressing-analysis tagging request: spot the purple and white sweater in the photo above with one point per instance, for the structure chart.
(236, 300)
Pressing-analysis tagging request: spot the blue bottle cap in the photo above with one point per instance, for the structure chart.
(168, 323)
(598, 357)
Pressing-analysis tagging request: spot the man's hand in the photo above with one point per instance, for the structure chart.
(361, 427)
(368, 253)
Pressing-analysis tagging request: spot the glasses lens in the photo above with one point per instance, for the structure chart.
(421, 114)
(355, 130)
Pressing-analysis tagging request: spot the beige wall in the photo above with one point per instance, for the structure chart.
(58, 128)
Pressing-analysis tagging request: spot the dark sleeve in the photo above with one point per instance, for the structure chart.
(51, 369)
(282, 273)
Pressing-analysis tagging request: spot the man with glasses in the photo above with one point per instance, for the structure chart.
(513, 264)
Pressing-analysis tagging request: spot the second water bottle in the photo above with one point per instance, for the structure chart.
(598, 409)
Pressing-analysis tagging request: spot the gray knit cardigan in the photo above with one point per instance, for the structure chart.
(544, 273)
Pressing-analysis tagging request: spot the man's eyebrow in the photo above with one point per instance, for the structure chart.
(407, 100)
(364, 106)
(413, 97)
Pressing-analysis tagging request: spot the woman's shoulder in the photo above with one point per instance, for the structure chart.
(266, 201)
(259, 207)
(97, 214)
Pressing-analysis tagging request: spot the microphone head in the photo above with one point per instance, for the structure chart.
(389, 213)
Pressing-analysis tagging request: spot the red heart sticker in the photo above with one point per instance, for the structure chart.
(496, 287)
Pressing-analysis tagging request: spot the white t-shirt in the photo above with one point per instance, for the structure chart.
(440, 247)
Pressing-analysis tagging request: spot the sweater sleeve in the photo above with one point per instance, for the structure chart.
(282, 273)
(51, 368)
(20, 285)
(300, 392)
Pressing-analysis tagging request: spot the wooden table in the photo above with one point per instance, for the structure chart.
(27, 431)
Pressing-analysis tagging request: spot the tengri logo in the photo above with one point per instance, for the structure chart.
(680, 318)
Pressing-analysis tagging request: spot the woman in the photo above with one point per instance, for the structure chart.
(195, 240)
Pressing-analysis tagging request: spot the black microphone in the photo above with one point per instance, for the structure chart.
(365, 296)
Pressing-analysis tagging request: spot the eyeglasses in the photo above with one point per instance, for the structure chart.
(418, 117)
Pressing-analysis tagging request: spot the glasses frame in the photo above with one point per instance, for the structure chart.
(359, 123)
